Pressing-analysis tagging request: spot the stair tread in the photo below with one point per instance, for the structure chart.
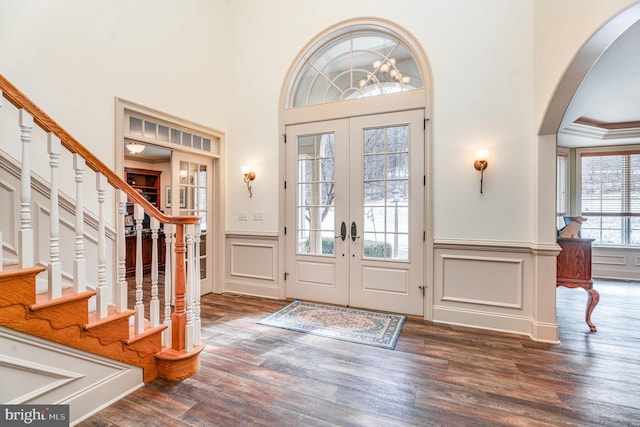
(43, 301)
(112, 315)
(14, 270)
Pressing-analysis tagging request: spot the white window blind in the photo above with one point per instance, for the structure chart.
(562, 184)
(610, 184)
(610, 197)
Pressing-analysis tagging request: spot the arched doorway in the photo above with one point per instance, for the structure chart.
(589, 79)
(356, 201)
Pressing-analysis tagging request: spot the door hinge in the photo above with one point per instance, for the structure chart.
(285, 230)
(424, 124)
(285, 185)
(286, 275)
(424, 235)
(423, 289)
(424, 180)
(285, 137)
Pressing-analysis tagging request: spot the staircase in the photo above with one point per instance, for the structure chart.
(85, 304)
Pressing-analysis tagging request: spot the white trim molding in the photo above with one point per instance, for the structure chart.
(252, 265)
(496, 285)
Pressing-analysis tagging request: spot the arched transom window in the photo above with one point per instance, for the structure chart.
(355, 64)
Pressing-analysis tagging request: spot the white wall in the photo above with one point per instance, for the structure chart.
(73, 57)
(495, 67)
(222, 64)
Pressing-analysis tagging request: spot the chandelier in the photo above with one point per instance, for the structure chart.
(384, 72)
(135, 148)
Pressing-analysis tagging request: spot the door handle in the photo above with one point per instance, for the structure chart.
(343, 231)
(354, 231)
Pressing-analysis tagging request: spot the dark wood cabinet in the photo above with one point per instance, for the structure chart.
(574, 271)
(147, 246)
(146, 182)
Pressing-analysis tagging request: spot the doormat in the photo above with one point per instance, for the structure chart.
(347, 324)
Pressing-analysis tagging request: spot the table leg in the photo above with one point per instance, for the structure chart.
(594, 298)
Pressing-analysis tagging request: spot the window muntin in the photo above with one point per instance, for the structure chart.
(610, 197)
(315, 194)
(386, 192)
(152, 130)
(356, 65)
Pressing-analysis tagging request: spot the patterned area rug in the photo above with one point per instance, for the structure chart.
(348, 324)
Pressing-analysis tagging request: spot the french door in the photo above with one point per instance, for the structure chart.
(355, 212)
(192, 194)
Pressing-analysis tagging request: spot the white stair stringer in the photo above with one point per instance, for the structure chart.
(44, 372)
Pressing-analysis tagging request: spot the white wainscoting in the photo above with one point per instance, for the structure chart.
(252, 264)
(490, 281)
(497, 286)
(43, 372)
(615, 263)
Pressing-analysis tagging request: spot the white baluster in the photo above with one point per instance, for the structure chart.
(25, 234)
(79, 264)
(197, 323)
(138, 215)
(102, 299)
(55, 267)
(154, 304)
(121, 240)
(189, 288)
(168, 282)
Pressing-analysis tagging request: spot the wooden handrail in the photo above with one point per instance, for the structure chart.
(20, 100)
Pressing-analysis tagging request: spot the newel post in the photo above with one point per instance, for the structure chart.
(179, 316)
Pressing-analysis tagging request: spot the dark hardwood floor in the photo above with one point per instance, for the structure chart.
(255, 375)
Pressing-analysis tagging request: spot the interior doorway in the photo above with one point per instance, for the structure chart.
(187, 158)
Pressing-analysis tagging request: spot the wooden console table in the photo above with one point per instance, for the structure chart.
(574, 271)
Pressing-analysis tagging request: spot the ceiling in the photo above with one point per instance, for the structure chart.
(151, 153)
(605, 109)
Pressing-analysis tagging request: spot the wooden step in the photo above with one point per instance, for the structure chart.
(18, 285)
(69, 309)
(67, 320)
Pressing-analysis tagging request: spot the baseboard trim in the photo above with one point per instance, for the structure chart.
(519, 325)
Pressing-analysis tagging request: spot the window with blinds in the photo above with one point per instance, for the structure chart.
(610, 197)
(562, 187)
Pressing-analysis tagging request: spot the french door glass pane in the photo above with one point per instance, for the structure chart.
(315, 194)
(193, 201)
(386, 192)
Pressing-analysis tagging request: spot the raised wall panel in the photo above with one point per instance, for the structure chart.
(253, 261)
(609, 259)
(482, 280)
(252, 265)
(489, 285)
(615, 263)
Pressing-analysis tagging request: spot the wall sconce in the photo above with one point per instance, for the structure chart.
(249, 176)
(481, 164)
